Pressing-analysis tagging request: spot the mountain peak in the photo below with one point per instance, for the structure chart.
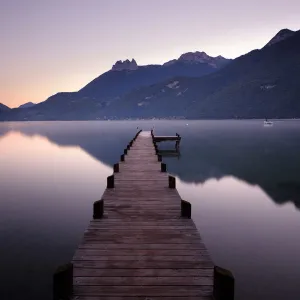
(199, 57)
(27, 105)
(280, 36)
(194, 57)
(125, 65)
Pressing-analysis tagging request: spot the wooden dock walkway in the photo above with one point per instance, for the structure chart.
(142, 243)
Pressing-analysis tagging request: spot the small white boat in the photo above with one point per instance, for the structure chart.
(268, 123)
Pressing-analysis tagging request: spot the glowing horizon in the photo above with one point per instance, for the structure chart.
(60, 46)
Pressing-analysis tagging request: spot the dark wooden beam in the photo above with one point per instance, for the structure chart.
(223, 284)
(110, 182)
(186, 209)
(163, 167)
(63, 282)
(172, 182)
(116, 168)
(98, 209)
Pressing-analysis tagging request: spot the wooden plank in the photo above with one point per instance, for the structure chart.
(181, 236)
(141, 258)
(205, 264)
(144, 281)
(117, 228)
(146, 291)
(142, 246)
(143, 252)
(140, 232)
(86, 272)
(142, 298)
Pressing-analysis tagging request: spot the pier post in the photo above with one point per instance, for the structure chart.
(159, 157)
(98, 209)
(137, 134)
(122, 157)
(223, 284)
(125, 151)
(186, 209)
(163, 167)
(116, 168)
(172, 182)
(63, 282)
(110, 182)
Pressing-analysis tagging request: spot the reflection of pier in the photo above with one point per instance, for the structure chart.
(169, 153)
(142, 242)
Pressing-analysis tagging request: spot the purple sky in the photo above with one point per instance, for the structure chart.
(48, 46)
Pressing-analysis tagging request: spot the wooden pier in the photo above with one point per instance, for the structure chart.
(163, 138)
(142, 242)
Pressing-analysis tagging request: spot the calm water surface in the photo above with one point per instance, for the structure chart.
(241, 178)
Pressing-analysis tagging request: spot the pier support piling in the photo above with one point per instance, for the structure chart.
(172, 182)
(186, 209)
(98, 209)
(223, 284)
(116, 168)
(110, 182)
(63, 282)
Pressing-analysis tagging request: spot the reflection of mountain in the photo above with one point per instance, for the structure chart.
(267, 157)
(103, 140)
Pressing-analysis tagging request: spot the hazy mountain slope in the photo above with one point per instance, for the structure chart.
(262, 83)
(119, 81)
(3, 109)
(91, 101)
(27, 105)
(280, 36)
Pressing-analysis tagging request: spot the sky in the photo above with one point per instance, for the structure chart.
(50, 46)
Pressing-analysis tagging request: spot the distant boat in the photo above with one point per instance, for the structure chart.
(267, 123)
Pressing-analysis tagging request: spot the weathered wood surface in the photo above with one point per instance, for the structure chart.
(142, 248)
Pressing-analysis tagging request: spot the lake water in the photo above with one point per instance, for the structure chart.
(242, 179)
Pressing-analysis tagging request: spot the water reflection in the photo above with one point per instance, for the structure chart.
(246, 150)
(45, 204)
(246, 233)
(232, 172)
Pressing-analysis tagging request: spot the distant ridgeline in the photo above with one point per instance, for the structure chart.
(262, 83)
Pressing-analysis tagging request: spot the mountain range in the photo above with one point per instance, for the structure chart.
(4, 108)
(262, 83)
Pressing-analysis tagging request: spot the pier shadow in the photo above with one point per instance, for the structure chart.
(267, 159)
(169, 153)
